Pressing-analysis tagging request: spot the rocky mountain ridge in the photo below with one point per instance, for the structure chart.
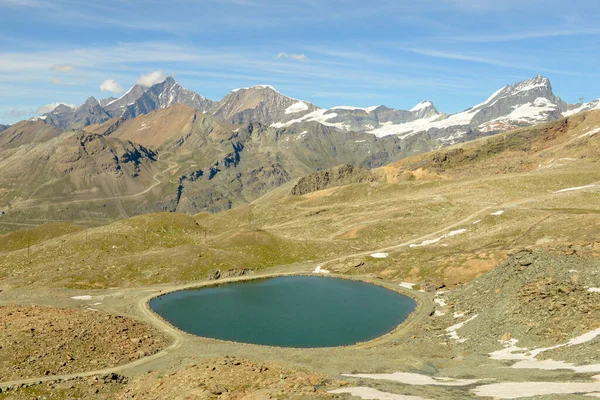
(522, 104)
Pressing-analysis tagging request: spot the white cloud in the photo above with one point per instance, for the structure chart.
(152, 78)
(56, 81)
(64, 68)
(110, 85)
(291, 56)
(49, 107)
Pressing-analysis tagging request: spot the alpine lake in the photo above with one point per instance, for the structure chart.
(290, 311)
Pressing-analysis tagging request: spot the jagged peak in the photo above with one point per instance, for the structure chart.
(539, 81)
(422, 106)
(91, 101)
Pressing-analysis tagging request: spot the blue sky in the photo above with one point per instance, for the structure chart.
(330, 52)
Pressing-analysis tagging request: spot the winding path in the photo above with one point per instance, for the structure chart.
(172, 165)
(424, 308)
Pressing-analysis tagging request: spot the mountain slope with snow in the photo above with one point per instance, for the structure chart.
(261, 104)
(522, 104)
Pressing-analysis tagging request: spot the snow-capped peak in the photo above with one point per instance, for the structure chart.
(421, 106)
(530, 84)
(256, 87)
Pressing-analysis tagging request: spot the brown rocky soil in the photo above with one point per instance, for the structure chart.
(227, 378)
(37, 341)
(223, 378)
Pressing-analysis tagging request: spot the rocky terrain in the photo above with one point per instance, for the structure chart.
(496, 238)
(338, 176)
(541, 297)
(191, 154)
(222, 378)
(524, 103)
(41, 341)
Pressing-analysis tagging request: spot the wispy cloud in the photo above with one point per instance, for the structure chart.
(497, 62)
(64, 68)
(521, 36)
(291, 56)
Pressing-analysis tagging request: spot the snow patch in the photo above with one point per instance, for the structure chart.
(84, 297)
(380, 255)
(373, 394)
(296, 108)
(497, 213)
(590, 133)
(407, 285)
(594, 290)
(320, 270)
(575, 188)
(436, 240)
(526, 358)
(321, 116)
(421, 106)
(410, 378)
(517, 390)
(592, 105)
(451, 331)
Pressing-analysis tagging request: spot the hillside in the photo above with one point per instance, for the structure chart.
(73, 166)
(436, 217)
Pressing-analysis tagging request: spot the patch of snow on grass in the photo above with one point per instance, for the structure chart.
(517, 390)
(590, 133)
(476, 222)
(407, 285)
(527, 357)
(410, 378)
(575, 188)
(497, 213)
(374, 394)
(436, 240)
(427, 242)
(320, 270)
(451, 331)
(594, 290)
(380, 255)
(84, 297)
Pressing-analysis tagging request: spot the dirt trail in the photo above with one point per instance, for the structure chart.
(24, 206)
(425, 302)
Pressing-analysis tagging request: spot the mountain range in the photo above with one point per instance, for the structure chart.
(221, 154)
(523, 104)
